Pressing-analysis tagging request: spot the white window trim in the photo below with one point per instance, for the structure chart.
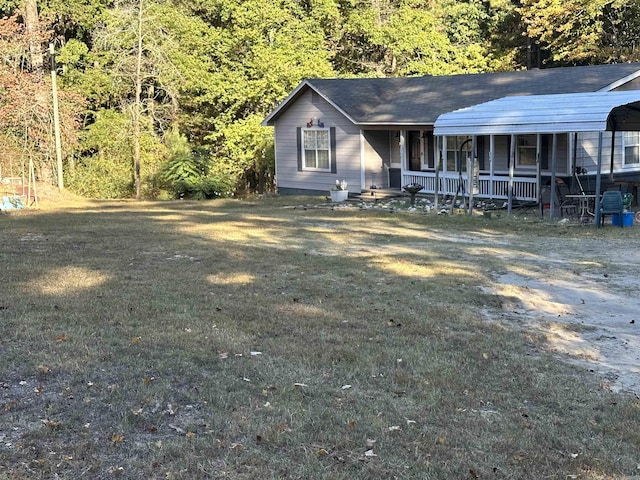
(624, 152)
(304, 155)
(533, 147)
(460, 139)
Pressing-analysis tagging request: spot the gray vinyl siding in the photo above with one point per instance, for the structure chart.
(377, 155)
(502, 152)
(347, 146)
(587, 154)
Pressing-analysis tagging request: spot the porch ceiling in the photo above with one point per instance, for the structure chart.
(571, 112)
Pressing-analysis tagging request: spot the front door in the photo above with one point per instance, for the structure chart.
(415, 150)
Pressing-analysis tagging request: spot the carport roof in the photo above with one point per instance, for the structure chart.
(569, 112)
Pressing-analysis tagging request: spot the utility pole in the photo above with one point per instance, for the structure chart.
(56, 115)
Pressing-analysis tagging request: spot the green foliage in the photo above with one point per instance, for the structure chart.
(584, 31)
(248, 150)
(212, 69)
(188, 175)
(104, 166)
(8, 7)
(75, 19)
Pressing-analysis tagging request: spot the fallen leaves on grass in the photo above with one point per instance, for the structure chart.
(61, 338)
(116, 438)
(52, 424)
(43, 369)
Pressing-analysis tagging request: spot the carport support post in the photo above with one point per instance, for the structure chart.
(471, 174)
(512, 161)
(553, 190)
(598, 181)
(539, 174)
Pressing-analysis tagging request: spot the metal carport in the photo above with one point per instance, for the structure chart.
(547, 114)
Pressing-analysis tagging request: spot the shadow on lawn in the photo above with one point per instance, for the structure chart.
(187, 339)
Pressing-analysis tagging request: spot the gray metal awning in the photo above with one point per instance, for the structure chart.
(571, 112)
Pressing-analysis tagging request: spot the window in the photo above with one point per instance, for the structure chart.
(631, 148)
(316, 151)
(526, 155)
(453, 151)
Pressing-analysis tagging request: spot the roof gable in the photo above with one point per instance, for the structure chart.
(420, 100)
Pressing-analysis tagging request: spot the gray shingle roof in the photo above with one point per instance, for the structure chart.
(420, 100)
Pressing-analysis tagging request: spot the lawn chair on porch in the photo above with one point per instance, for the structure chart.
(568, 206)
(612, 204)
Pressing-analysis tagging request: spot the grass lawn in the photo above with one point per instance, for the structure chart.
(252, 340)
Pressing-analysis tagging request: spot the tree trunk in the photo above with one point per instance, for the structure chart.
(32, 26)
(137, 108)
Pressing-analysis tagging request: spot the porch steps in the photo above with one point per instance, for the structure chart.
(376, 195)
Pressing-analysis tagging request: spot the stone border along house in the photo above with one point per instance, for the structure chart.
(390, 132)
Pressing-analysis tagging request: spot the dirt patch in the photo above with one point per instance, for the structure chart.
(582, 296)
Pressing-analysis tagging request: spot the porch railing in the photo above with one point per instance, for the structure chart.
(496, 186)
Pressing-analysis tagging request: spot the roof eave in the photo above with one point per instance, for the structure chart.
(270, 119)
(620, 82)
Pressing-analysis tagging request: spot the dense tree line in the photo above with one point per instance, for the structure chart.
(165, 97)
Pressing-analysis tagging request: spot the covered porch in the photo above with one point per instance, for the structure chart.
(557, 116)
(505, 165)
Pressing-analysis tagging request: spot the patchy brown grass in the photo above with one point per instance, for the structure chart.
(247, 339)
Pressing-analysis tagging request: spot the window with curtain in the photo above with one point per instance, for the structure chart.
(316, 149)
(526, 155)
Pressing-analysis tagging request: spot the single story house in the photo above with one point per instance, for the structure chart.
(390, 132)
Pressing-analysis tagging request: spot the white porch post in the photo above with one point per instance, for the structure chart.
(436, 160)
(403, 156)
(539, 174)
(363, 166)
(512, 161)
(492, 149)
(444, 153)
